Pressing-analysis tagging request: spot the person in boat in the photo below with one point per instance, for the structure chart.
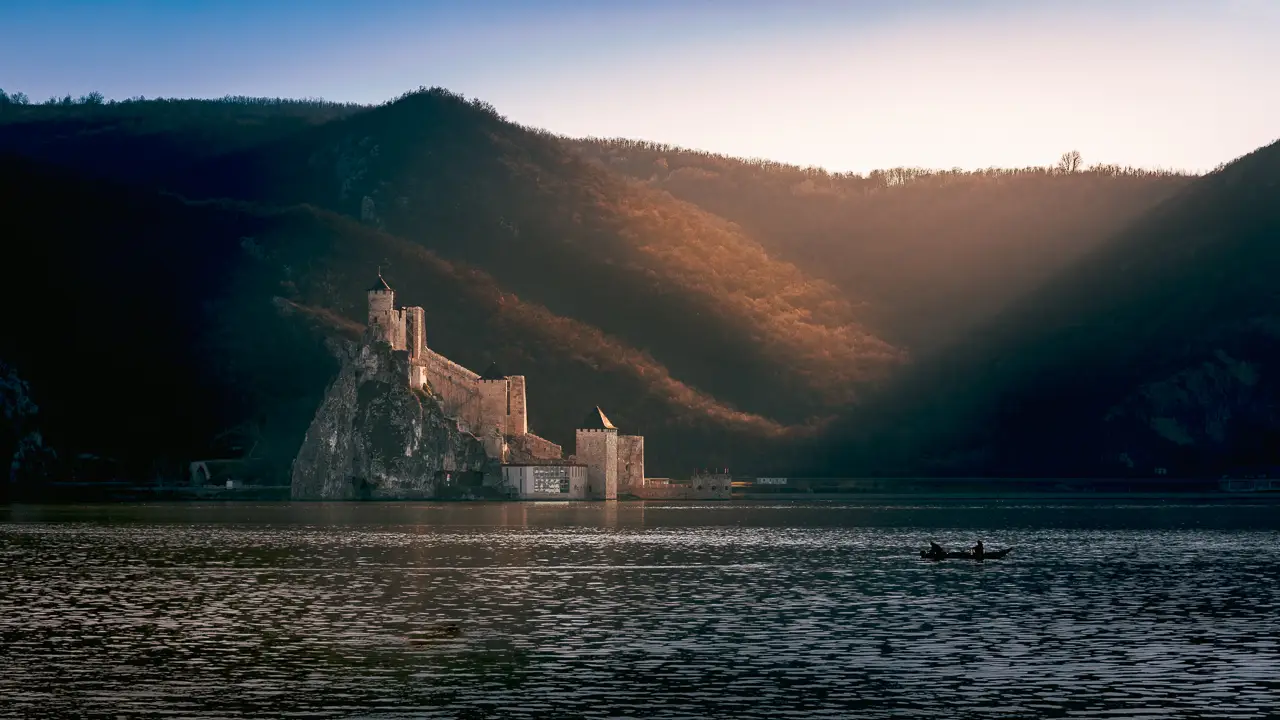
(978, 551)
(936, 550)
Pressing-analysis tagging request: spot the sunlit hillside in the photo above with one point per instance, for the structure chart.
(1160, 349)
(217, 312)
(200, 251)
(928, 254)
(688, 287)
(694, 291)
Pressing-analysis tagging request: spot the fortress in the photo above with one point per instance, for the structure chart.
(494, 407)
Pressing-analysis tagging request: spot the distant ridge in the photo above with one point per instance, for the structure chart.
(1035, 321)
(1160, 350)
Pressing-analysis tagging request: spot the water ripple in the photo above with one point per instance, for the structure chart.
(722, 611)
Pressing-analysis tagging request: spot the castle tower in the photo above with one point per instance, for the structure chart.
(415, 331)
(382, 312)
(597, 448)
(518, 413)
(495, 397)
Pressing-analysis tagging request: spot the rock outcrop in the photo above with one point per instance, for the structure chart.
(22, 447)
(1215, 415)
(374, 437)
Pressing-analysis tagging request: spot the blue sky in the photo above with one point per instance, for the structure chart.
(848, 85)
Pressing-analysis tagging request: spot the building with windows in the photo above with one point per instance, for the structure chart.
(561, 481)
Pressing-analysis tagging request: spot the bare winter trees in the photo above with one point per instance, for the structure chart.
(1069, 162)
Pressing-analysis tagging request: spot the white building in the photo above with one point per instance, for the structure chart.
(567, 481)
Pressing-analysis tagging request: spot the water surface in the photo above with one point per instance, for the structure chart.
(1143, 609)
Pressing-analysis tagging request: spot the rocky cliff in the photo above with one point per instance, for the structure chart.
(375, 438)
(22, 446)
(1219, 412)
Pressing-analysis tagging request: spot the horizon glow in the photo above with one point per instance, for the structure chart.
(847, 86)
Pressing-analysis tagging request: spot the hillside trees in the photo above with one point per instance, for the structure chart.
(1069, 162)
(17, 98)
(924, 256)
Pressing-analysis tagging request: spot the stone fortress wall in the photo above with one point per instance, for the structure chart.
(528, 447)
(457, 387)
(494, 408)
(630, 463)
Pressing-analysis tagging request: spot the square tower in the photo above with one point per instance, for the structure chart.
(517, 413)
(415, 331)
(382, 312)
(597, 448)
(495, 397)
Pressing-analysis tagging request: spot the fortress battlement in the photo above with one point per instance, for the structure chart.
(493, 405)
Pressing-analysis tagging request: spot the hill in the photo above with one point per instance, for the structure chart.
(926, 255)
(688, 287)
(144, 141)
(1160, 349)
(1059, 320)
(695, 292)
(141, 308)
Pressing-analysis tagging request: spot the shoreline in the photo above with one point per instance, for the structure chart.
(281, 496)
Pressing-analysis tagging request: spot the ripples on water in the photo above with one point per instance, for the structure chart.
(633, 611)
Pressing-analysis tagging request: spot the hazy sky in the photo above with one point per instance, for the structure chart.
(849, 85)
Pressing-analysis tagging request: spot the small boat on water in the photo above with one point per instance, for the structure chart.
(933, 554)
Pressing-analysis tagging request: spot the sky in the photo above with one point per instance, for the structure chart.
(849, 86)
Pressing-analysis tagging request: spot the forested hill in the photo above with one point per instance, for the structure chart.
(728, 309)
(676, 320)
(152, 328)
(930, 254)
(143, 141)
(453, 176)
(660, 274)
(1160, 349)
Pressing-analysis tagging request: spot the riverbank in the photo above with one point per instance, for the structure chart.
(281, 495)
(1005, 496)
(876, 490)
(110, 492)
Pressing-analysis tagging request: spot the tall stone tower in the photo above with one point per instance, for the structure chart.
(517, 406)
(415, 331)
(502, 402)
(494, 394)
(597, 448)
(382, 312)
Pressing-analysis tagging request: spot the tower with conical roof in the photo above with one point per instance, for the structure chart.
(597, 448)
(386, 324)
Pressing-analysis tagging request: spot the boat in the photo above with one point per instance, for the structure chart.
(964, 555)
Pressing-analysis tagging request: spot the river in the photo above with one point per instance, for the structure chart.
(1151, 608)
